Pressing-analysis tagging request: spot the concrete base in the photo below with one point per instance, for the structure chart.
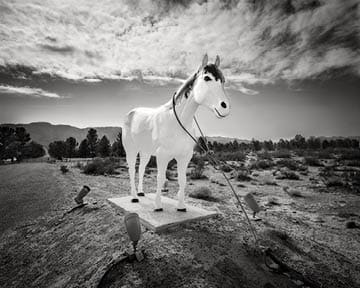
(158, 221)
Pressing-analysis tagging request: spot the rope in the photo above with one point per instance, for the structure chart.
(214, 162)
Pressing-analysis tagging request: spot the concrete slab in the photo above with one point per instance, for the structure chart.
(158, 221)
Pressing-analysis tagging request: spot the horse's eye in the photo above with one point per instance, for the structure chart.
(207, 78)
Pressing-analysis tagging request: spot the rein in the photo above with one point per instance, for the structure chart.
(214, 162)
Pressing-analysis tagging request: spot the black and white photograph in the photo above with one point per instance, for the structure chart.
(180, 143)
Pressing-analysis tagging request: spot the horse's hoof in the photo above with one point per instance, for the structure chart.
(181, 210)
(158, 210)
(141, 194)
(134, 200)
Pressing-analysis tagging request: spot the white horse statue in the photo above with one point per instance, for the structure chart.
(155, 131)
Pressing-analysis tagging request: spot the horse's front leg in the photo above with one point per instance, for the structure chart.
(144, 159)
(182, 163)
(161, 162)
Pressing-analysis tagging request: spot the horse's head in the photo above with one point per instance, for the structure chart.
(208, 88)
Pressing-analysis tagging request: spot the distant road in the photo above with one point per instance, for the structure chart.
(27, 191)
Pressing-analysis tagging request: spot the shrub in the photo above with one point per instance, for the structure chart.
(288, 163)
(273, 201)
(353, 163)
(270, 183)
(79, 165)
(152, 162)
(243, 175)
(311, 161)
(290, 175)
(64, 169)
(325, 154)
(350, 155)
(230, 156)
(264, 155)
(225, 168)
(281, 154)
(334, 182)
(197, 173)
(101, 167)
(203, 193)
(262, 164)
(198, 160)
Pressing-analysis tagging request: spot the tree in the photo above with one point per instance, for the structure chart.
(313, 143)
(12, 142)
(256, 144)
(117, 147)
(33, 150)
(201, 146)
(71, 145)
(269, 145)
(21, 135)
(84, 151)
(93, 140)
(57, 149)
(298, 142)
(104, 148)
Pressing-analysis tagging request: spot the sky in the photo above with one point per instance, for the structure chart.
(291, 67)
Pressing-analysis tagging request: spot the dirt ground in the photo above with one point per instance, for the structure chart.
(43, 246)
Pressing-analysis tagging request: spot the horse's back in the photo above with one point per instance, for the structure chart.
(138, 127)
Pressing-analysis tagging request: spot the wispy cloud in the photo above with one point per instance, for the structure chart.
(258, 41)
(28, 91)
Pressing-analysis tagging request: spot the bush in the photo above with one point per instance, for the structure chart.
(230, 156)
(64, 169)
(203, 193)
(262, 164)
(288, 163)
(350, 155)
(325, 154)
(334, 182)
(197, 173)
(243, 175)
(281, 154)
(152, 162)
(264, 155)
(79, 165)
(311, 161)
(225, 168)
(289, 175)
(101, 167)
(353, 163)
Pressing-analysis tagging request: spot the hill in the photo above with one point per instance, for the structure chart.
(44, 133)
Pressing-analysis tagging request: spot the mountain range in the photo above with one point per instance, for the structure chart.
(45, 133)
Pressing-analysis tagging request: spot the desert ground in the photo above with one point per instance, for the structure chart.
(314, 229)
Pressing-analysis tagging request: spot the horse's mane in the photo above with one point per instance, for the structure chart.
(183, 89)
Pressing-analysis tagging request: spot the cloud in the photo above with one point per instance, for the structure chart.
(258, 41)
(28, 91)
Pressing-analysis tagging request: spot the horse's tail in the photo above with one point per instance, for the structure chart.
(128, 119)
(126, 134)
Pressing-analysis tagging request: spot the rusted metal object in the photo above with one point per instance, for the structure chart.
(251, 202)
(83, 192)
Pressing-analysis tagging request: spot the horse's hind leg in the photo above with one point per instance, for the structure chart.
(131, 160)
(144, 159)
(182, 163)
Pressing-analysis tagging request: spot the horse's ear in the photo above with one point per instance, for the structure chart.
(217, 61)
(204, 61)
